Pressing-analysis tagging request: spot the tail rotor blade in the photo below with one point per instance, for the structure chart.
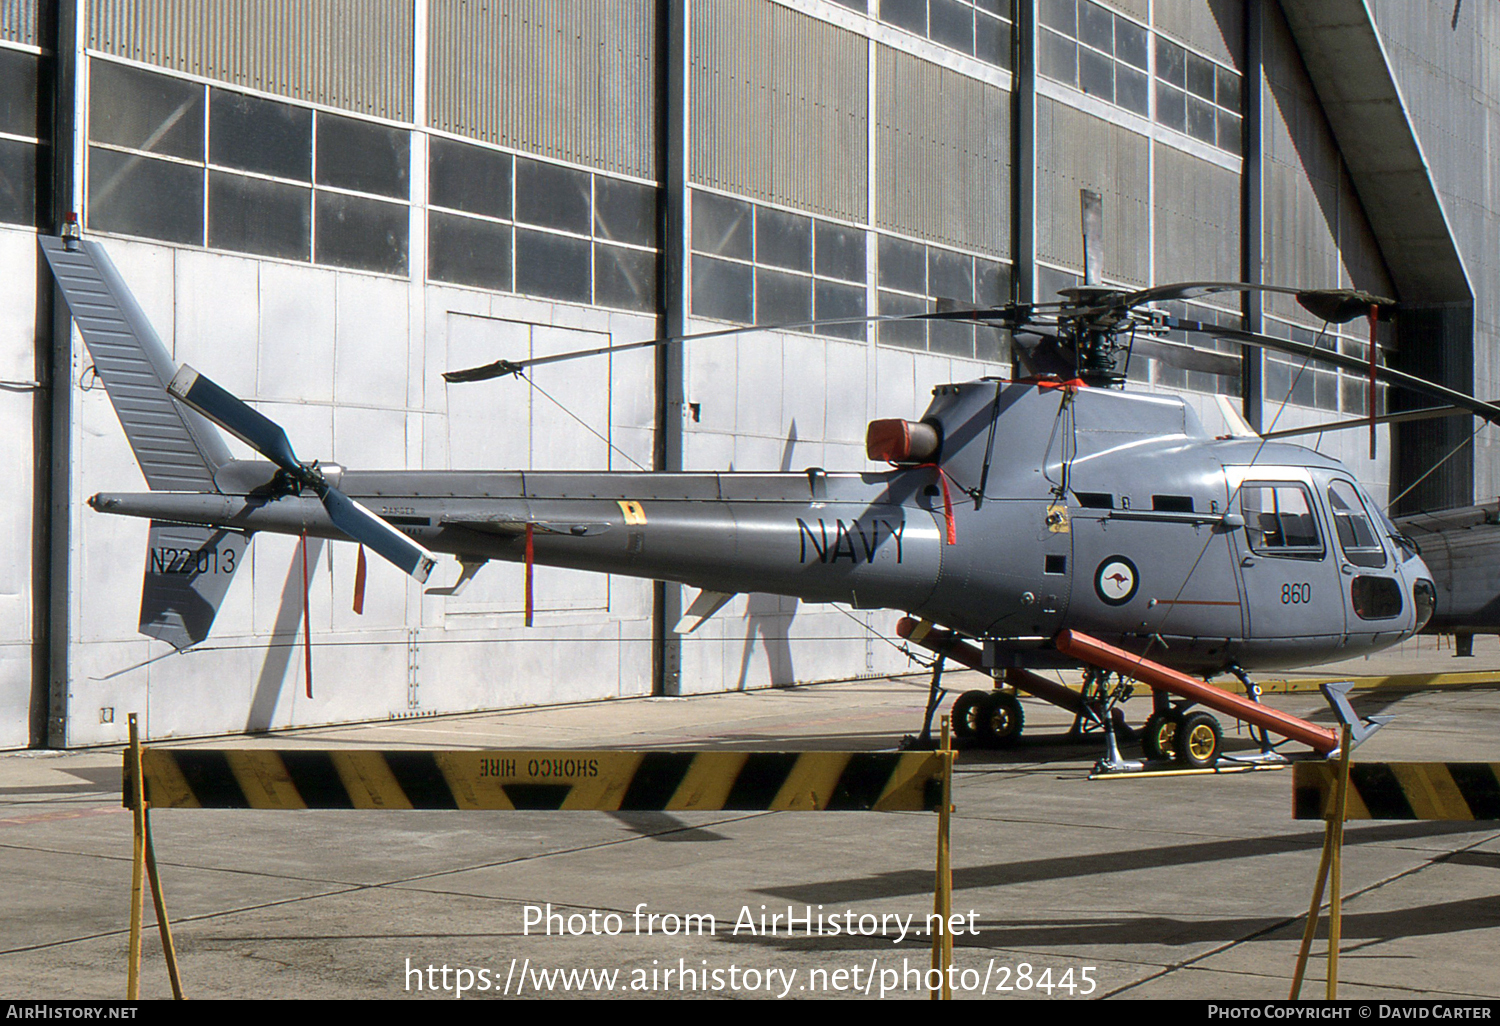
(363, 526)
(236, 416)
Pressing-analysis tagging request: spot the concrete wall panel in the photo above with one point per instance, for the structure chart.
(371, 337)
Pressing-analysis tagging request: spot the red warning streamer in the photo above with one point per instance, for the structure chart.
(947, 502)
(306, 618)
(359, 583)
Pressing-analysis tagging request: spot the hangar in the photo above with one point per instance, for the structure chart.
(325, 205)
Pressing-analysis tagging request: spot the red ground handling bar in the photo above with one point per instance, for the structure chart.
(1107, 657)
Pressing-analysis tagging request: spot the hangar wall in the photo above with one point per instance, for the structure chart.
(325, 205)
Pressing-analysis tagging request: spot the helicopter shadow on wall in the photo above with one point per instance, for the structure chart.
(768, 618)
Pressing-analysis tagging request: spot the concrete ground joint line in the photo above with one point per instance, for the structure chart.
(567, 851)
(179, 920)
(1298, 918)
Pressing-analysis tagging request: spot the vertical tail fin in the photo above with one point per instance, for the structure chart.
(177, 449)
(188, 569)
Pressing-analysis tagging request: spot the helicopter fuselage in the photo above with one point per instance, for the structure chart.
(1046, 508)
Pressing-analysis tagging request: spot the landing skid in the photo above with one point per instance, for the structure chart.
(1177, 737)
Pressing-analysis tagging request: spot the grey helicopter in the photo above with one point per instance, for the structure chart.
(1017, 516)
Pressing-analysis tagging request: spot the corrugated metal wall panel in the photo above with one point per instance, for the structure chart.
(573, 80)
(1216, 28)
(1197, 219)
(943, 153)
(780, 107)
(1077, 151)
(18, 21)
(351, 54)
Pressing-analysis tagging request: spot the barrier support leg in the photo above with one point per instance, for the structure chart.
(1336, 900)
(168, 949)
(942, 895)
(1333, 841)
(137, 866)
(1312, 912)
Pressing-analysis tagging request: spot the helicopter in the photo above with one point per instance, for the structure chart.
(1016, 513)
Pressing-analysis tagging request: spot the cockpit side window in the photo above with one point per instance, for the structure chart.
(1352, 523)
(1279, 520)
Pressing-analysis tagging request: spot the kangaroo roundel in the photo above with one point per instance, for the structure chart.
(1116, 580)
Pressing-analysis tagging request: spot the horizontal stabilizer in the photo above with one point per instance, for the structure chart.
(704, 606)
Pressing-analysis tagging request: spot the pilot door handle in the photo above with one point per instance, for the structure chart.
(1247, 561)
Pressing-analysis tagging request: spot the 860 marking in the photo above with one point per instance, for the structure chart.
(1296, 594)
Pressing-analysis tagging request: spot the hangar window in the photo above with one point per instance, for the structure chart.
(553, 196)
(143, 111)
(514, 224)
(624, 211)
(1197, 96)
(255, 215)
(1108, 56)
(1288, 379)
(136, 195)
(20, 135)
(355, 231)
(916, 278)
(468, 251)
(759, 264)
(248, 133)
(979, 28)
(1096, 51)
(362, 156)
(472, 179)
(183, 162)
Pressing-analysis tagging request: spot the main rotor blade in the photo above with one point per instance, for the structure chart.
(1011, 315)
(363, 526)
(1478, 407)
(1186, 357)
(1334, 305)
(1406, 416)
(236, 416)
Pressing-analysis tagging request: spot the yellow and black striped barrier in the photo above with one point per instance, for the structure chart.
(605, 780)
(613, 781)
(1400, 790)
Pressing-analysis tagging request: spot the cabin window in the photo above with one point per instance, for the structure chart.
(1375, 598)
(1351, 522)
(1172, 503)
(1279, 520)
(1095, 500)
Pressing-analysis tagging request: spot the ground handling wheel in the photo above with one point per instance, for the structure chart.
(1000, 719)
(966, 714)
(1157, 735)
(1196, 741)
